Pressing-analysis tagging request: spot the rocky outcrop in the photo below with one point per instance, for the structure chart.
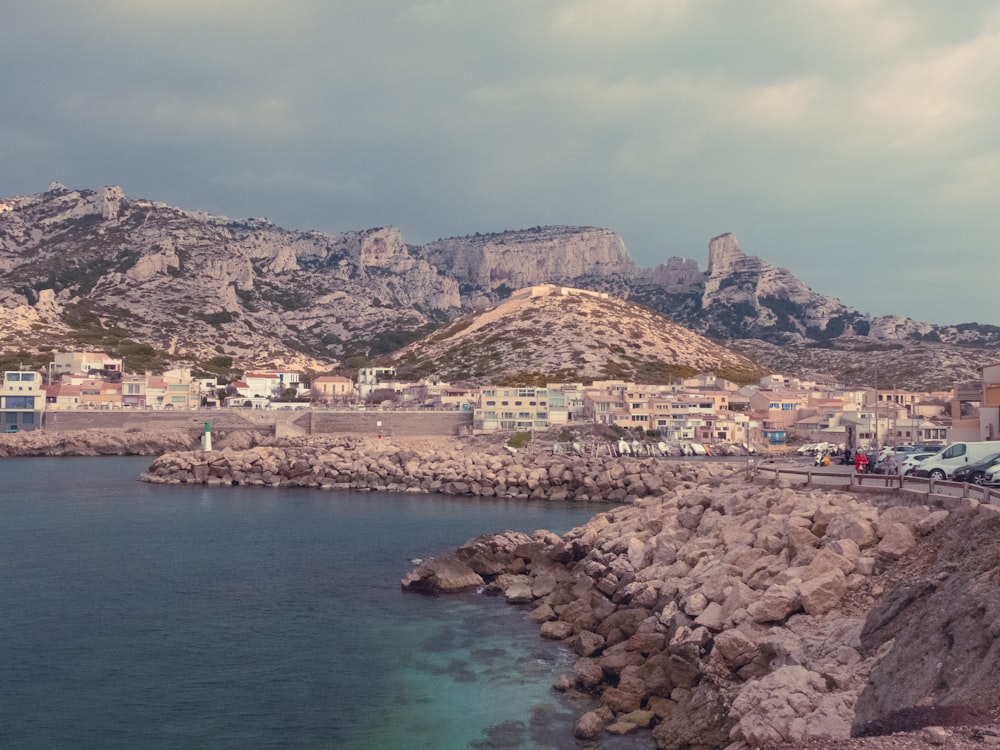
(941, 632)
(724, 614)
(764, 299)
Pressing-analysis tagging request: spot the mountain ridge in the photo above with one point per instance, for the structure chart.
(95, 267)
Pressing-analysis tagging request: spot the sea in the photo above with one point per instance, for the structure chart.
(137, 615)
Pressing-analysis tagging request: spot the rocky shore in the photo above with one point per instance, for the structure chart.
(728, 614)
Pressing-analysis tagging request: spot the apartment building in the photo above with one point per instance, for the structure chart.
(330, 389)
(515, 409)
(22, 401)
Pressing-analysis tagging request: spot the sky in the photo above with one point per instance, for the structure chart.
(854, 142)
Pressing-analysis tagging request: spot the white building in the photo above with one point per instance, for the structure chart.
(83, 362)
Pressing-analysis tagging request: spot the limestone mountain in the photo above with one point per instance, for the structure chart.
(92, 267)
(98, 269)
(549, 333)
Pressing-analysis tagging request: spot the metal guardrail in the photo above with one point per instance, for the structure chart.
(848, 479)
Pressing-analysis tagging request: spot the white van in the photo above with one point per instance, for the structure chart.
(943, 463)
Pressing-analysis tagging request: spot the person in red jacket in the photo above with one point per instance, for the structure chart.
(860, 462)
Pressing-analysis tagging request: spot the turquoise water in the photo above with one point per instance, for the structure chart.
(151, 616)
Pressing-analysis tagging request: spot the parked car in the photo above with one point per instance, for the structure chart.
(975, 473)
(912, 462)
(992, 475)
(897, 452)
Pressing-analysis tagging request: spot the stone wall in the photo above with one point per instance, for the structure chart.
(281, 423)
(392, 422)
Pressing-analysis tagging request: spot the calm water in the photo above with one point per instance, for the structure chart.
(150, 616)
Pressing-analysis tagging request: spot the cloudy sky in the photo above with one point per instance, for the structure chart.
(854, 142)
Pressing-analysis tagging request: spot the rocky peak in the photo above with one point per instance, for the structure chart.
(110, 199)
(382, 247)
(724, 254)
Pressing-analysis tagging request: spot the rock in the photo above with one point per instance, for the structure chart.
(897, 540)
(621, 701)
(700, 720)
(556, 630)
(588, 673)
(858, 530)
(519, 592)
(588, 643)
(712, 618)
(589, 726)
(492, 554)
(442, 576)
(735, 648)
(821, 594)
(777, 603)
(931, 521)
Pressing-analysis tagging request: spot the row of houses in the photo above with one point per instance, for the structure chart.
(772, 413)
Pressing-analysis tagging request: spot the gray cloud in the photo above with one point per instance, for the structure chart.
(852, 142)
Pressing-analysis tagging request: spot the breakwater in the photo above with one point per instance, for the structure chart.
(455, 469)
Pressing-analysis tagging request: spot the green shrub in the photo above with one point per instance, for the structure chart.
(519, 440)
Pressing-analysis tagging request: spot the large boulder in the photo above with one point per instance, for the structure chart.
(444, 575)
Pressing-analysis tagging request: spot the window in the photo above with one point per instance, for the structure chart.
(954, 451)
(28, 418)
(20, 402)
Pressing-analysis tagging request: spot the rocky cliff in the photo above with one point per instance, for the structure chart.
(489, 267)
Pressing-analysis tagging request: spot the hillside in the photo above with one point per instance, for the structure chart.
(548, 333)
